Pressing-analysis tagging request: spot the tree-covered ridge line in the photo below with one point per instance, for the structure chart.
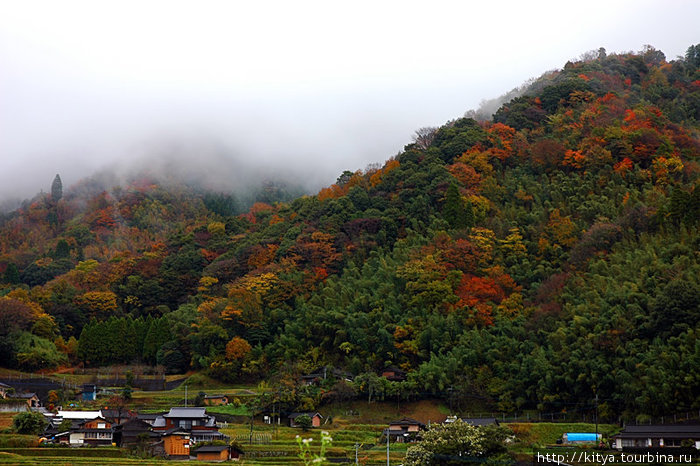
(533, 261)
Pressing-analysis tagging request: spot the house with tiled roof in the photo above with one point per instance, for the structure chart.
(661, 436)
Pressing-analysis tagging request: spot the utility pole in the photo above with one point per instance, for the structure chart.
(596, 418)
(185, 395)
(357, 445)
(387, 447)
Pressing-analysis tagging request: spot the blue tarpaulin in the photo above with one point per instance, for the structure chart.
(580, 437)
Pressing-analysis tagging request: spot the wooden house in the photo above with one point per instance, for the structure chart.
(394, 374)
(404, 430)
(94, 432)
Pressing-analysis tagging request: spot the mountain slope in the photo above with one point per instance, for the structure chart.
(531, 262)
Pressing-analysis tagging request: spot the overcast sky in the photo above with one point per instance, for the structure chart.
(289, 86)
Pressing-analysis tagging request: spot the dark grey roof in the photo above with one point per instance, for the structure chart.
(115, 413)
(176, 430)
(133, 425)
(407, 421)
(24, 395)
(212, 449)
(663, 428)
(675, 431)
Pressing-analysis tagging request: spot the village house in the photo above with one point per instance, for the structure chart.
(31, 399)
(77, 417)
(404, 430)
(316, 419)
(311, 379)
(325, 373)
(394, 374)
(94, 432)
(661, 436)
(17, 402)
(200, 426)
(134, 432)
(118, 415)
(5, 389)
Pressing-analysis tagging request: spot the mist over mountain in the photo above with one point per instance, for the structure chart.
(297, 91)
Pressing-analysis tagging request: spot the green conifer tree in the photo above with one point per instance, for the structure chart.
(457, 213)
(56, 189)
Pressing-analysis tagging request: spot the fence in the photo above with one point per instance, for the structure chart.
(590, 418)
(258, 438)
(43, 385)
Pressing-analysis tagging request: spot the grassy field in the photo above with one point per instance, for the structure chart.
(6, 420)
(546, 433)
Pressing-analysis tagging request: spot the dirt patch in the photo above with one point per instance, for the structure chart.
(383, 412)
(6, 419)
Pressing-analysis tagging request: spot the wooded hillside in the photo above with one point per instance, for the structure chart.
(532, 262)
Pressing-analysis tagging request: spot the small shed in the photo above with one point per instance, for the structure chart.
(213, 453)
(176, 443)
(89, 392)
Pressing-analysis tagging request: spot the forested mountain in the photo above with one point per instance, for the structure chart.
(533, 261)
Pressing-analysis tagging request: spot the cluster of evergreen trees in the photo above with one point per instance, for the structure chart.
(123, 340)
